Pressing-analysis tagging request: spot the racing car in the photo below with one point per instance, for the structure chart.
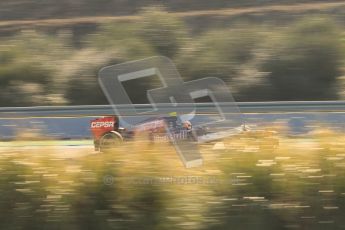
(107, 132)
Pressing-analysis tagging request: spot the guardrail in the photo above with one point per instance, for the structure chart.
(101, 110)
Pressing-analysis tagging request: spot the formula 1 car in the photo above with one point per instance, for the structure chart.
(107, 133)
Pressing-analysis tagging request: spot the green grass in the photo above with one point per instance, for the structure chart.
(247, 185)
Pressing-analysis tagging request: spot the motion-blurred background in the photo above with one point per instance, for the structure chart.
(265, 50)
(51, 51)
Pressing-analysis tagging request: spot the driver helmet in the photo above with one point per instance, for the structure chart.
(187, 125)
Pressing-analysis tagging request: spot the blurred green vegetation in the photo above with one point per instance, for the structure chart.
(303, 60)
(248, 185)
(33, 9)
(307, 63)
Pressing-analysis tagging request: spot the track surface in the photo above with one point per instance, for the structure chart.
(60, 149)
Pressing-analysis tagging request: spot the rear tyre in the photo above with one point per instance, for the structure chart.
(109, 141)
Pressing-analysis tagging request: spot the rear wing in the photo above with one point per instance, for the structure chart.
(100, 126)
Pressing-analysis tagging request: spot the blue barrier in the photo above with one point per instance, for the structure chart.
(78, 127)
